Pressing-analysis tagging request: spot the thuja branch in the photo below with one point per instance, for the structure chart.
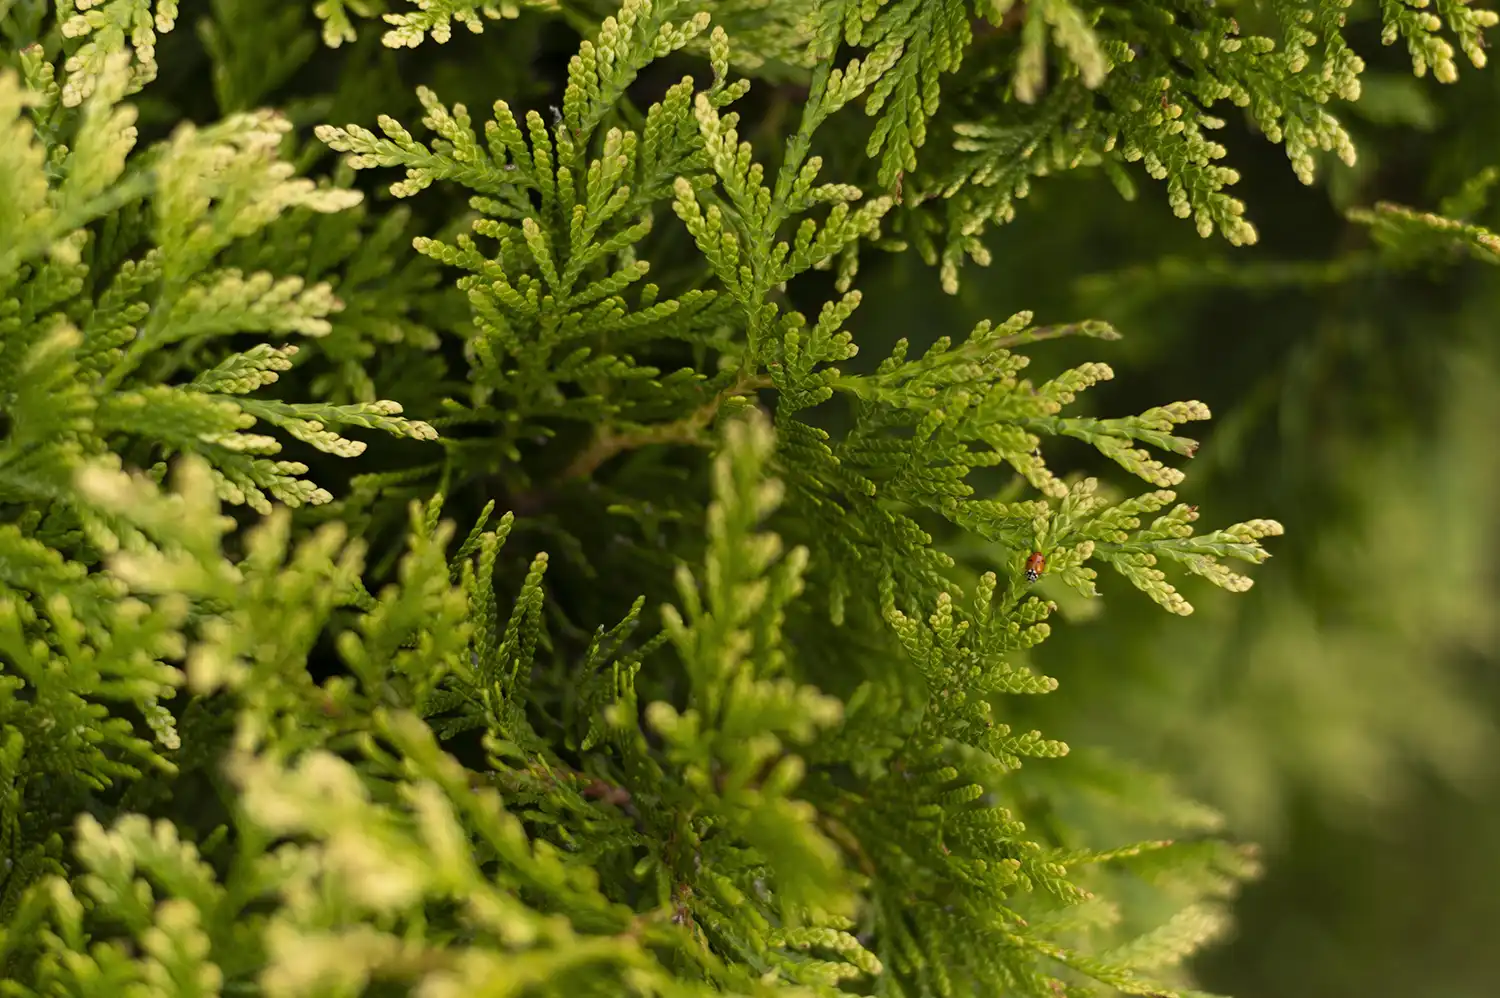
(1091, 327)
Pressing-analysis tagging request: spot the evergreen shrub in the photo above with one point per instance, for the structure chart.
(480, 562)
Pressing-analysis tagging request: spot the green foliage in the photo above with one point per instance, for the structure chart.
(301, 751)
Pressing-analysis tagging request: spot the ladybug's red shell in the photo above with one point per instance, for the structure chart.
(1035, 566)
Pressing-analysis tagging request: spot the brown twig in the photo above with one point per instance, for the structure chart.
(688, 430)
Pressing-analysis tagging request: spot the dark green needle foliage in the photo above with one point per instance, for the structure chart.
(628, 652)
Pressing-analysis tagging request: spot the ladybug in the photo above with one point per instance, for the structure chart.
(1035, 566)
